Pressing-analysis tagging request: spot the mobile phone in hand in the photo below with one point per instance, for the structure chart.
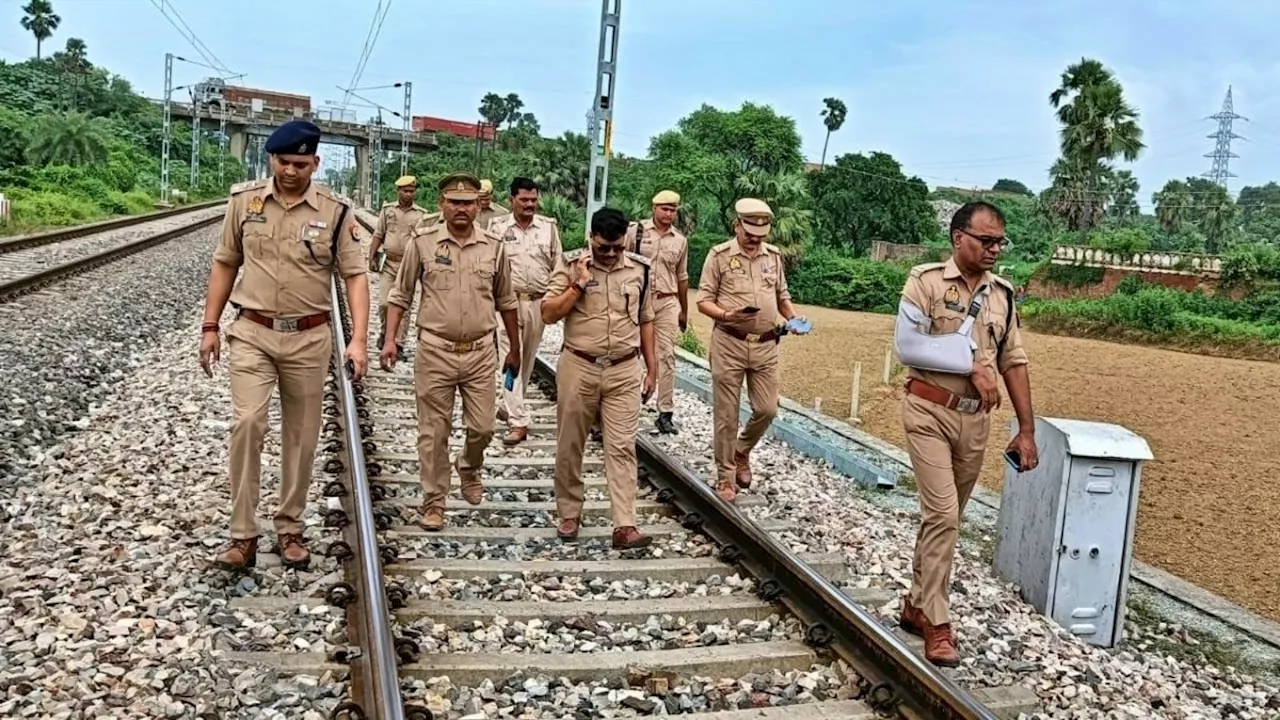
(509, 379)
(1014, 458)
(750, 309)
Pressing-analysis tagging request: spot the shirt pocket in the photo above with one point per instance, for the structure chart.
(945, 320)
(626, 299)
(438, 276)
(482, 276)
(254, 238)
(313, 245)
(594, 302)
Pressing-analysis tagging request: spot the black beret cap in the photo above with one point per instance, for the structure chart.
(296, 137)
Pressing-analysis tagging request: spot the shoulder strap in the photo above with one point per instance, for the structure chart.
(337, 231)
(1008, 325)
(644, 288)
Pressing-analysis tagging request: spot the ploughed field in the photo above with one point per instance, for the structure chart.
(1208, 501)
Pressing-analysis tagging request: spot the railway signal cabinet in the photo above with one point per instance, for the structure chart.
(1065, 533)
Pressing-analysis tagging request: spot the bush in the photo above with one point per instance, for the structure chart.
(835, 280)
(690, 342)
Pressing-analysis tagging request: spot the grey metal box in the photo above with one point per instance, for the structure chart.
(1065, 534)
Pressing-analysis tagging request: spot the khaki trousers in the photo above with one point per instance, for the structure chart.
(732, 360)
(437, 374)
(259, 358)
(666, 327)
(531, 327)
(386, 280)
(582, 388)
(946, 448)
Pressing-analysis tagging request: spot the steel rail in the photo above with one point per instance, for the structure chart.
(379, 693)
(13, 288)
(899, 678)
(56, 236)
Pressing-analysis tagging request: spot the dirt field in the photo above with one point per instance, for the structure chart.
(1210, 502)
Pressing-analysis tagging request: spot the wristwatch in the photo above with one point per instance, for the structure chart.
(582, 289)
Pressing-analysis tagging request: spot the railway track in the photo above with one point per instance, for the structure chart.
(717, 616)
(34, 261)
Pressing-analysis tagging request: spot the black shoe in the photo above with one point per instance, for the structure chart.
(597, 435)
(665, 425)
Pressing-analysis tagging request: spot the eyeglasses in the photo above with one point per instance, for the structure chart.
(988, 240)
(608, 249)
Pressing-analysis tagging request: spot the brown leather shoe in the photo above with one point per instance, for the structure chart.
(472, 489)
(515, 436)
(238, 554)
(911, 619)
(432, 519)
(940, 645)
(743, 475)
(293, 552)
(568, 528)
(726, 491)
(629, 538)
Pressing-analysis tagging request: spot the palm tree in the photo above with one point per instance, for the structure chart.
(833, 117)
(1172, 203)
(1097, 124)
(72, 139)
(1122, 187)
(40, 21)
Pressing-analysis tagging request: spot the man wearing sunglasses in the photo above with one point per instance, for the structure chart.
(605, 297)
(951, 391)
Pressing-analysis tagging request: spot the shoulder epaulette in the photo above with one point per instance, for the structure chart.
(491, 235)
(772, 248)
(418, 207)
(571, 255)
(638, 258)
(548, 218)
(247, 185)
(919, 270)
(386, 205)
(425, 227)
(430, 219)
(721, 247)
(1003, 281)
(328, 194)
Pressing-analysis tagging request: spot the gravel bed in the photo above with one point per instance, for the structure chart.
(539, 696)
(21, 263)
(109, 606)
(594, 635)
(1002, 639)
(67, 346)
(544, 587)
(422, 547)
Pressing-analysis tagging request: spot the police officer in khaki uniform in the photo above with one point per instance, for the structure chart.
(605, 297)
(744, 290)
(289, 234)
(386, 250)
(532, 244)
(668, 251)
(465, 278)
(946, 416)
(488, 209)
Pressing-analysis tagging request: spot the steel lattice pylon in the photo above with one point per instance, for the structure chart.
(1222, 154)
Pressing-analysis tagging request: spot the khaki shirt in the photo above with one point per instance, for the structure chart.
(463, 282)
(488, 214)
(287, 253)
(667, 252)
(939, 290)
(533, 251)
(395, 226)
(733, 281)
(605, 320)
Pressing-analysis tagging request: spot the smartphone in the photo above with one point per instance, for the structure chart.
(750, 309)
(1014, 458)
(509, 379)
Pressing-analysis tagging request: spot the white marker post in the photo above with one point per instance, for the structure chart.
(855, 392)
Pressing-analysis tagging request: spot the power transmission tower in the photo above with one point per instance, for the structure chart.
(600, 118)
(1222, 154)
(165, 127)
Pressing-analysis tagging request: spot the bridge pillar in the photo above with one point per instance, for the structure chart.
(363, 193)
(237, 144)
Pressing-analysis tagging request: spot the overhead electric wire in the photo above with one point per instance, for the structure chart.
(371, 39)
(190, 36)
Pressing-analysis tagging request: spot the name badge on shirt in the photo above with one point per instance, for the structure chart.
(442, 255)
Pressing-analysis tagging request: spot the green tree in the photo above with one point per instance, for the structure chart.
(711, 149)
(1122, 188)
(1011, 186)
(1173, 205)
(864, 198)
(1098, 125)
(833, 116)
(39, 19)
(73, 139)
(1260, 212)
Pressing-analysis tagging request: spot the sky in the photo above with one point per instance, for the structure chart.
(959, 97)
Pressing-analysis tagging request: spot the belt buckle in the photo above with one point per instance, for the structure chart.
(284, 324)
(753, 337)
(604, 362)
(461, 347)
(968, 404)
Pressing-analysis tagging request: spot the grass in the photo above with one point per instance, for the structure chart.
(1196, 648)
